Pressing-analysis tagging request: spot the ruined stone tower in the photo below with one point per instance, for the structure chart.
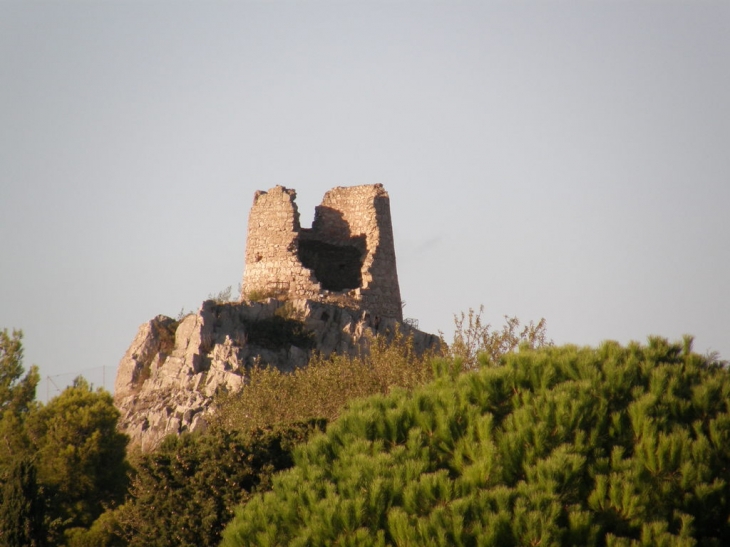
(347, 256)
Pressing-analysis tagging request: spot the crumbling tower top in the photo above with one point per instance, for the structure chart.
(347, 256)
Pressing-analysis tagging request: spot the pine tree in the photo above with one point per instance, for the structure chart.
(81, 457)
(556, 446)
(21, 512)
(17, 399)
(16, 394)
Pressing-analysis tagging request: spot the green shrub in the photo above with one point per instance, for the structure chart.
(259, 295)
(185, 492)
(326, 385)
(474, 339)
(559, 446)
(323, 387)
(104, 532)
(224, 296)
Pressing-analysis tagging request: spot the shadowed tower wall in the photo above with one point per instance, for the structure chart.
(346, 257)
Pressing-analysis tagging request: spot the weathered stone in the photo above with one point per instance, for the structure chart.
(153, 343)
(211, 354)
(336, 281)
(347, 256)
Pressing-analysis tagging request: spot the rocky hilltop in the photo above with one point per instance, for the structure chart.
(168, 377)
(335, 284)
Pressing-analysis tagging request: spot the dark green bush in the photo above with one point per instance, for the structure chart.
(22, 508)
(185, 492)
(619, 446)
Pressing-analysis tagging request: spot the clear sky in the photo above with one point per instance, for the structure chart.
(566, 160)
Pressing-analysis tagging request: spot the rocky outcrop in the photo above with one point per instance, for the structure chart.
(172, 370)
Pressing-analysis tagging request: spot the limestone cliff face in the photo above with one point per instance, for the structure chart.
(167, 379)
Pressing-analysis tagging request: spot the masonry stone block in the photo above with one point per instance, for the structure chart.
(346, 257)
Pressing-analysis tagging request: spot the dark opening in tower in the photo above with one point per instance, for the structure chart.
(336, 267)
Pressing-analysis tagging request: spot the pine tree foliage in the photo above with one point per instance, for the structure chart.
(17, 399)
(81, 455)
(67, 454)
(106, 531)
(22, 509)
(17, 393)
(185, 492)
(617, 446)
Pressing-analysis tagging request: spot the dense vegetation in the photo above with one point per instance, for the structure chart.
(560, 446)
(322, 388)
(61, 463)
(185, 492)
(481, 445)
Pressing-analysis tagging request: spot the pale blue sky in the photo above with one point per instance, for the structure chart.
(564, 160)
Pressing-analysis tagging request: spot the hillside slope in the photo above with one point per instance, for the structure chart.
(172, 370)
(619, 446)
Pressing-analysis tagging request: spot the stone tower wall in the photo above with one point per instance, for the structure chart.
(347, 257)
(272, 266)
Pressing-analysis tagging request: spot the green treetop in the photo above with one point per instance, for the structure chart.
(17, 399)
(619, 446)
(22, 508)
(80, 453)
(17, 393)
